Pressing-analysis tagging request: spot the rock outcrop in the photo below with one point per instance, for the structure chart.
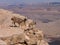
(16, 29)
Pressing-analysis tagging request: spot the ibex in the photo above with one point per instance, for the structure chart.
(18, 20)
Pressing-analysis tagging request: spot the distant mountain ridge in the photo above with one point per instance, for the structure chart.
(54, 3)
(24, 5)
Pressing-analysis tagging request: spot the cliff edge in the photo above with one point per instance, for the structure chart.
(16, 29)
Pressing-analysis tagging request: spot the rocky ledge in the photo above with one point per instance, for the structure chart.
(16, 29)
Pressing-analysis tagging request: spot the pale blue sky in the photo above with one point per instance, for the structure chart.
(27, 1)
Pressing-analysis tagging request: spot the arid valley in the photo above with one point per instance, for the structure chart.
(46, 15)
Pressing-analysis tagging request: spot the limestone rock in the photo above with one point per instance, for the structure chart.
(2, 42)
(24, 34)
(30, 23)
(43, 42)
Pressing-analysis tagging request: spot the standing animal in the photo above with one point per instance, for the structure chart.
(18, 20)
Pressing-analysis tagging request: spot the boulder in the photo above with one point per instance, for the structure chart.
(2, 42)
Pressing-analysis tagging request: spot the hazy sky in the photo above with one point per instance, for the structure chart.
(27, 1)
